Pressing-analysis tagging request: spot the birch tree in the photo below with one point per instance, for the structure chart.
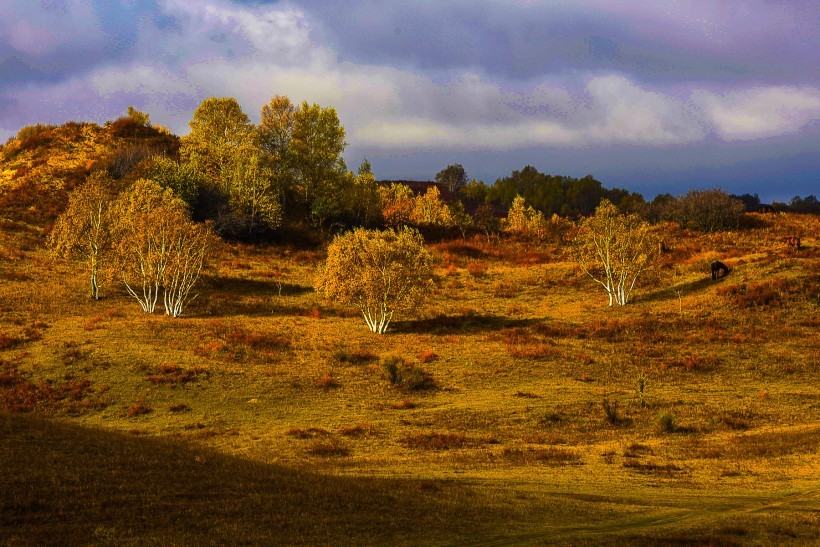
(380, 272)
(191, 246)
(83, 231)
(158, 249)
(614, 249)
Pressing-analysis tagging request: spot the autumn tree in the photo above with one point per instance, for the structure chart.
(397, 204)
(614, 249)
(239, 164)
(315, 151)
(453, 177)
(254, 199)
(220, 131)
(379, 272)
(524, 221)
(359, 197)
(708, 210)
(158, 249)
(83, 231)
(430, 210)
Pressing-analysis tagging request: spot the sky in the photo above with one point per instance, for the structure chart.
(650, 95)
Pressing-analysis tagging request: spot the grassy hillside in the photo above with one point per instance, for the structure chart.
(266, 414)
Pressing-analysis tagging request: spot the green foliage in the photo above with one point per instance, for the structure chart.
(552, 194)
(220, 134)
(181, 178)
(453, 177)
(140, 118)
(315, 152)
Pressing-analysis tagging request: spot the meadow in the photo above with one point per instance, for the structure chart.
(513, 407)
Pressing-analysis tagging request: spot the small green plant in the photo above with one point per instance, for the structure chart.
(667, 422)
(405, 375)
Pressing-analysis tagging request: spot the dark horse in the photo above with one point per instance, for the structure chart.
(764, 209)
(717, 267)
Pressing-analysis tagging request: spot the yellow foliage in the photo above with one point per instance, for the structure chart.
(379, 272)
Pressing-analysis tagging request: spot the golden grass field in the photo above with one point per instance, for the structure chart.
(265, 415)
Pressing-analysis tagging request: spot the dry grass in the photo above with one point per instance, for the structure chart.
(494, 396)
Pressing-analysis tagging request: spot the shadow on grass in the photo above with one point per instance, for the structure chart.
(458, 324)
(115, 488)
(685, 289)
(257, 287)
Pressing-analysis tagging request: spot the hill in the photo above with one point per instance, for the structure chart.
(689, 416)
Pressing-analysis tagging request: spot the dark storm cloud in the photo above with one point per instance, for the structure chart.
(723, 41)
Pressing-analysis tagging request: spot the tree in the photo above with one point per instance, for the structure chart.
(614, 249)
(182, 178)
(140, 118)
(254, 199)
(83, 231)
(220, 132)
(453, 177)
(157, 247)
(276, 127)
(316, 146)
(486, 221)
(379, 272)
(430, 210)
(708, 210)
(524, 221)
(397, 204)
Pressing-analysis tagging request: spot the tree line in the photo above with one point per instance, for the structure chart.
(150, 218)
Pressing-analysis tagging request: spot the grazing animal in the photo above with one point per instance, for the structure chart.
(792, 241)
(765, 209)
(662, 248)
(717, 267)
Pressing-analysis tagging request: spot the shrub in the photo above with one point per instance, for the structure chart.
(328, 449)
(437, 441)
(327, 382)
(477, 269)
(354, 357)
(611, 411)
(175, 375)
(667, 422)
(139, 408)
(405, 375)
(707, 210)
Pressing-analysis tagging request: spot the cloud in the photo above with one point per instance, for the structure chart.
(184, 52)
(760, 112)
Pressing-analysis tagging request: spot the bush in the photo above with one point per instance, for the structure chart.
(611, 411)
(707, 210)
(405, 375)
(667, 422)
